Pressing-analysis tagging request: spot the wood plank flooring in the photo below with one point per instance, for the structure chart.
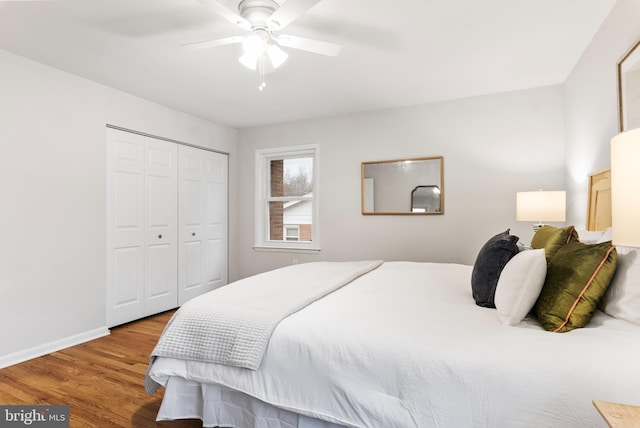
(101, 381)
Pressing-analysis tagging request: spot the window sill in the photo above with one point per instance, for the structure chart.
(286, 249)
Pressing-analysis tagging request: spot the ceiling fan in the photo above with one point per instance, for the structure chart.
(261, 18)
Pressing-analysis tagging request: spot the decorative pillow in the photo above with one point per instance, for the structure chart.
(552, 239)
(577, 278)
(519, 285)
(607, 235)
(590, 236)
(622, 299)
(492, 258)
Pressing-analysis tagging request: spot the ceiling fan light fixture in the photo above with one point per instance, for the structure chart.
(249, 61)
(259, 49)
(261, 18)
(254, 45)
(276, 55)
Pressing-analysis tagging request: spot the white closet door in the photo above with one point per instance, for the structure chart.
(125, 227)
(161, 195)
(203, 222)
(216, 249)
(191, 227)
(142, 241)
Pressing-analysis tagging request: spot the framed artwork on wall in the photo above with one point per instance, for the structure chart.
(629, 88)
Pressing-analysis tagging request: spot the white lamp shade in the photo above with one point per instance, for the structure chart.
(276, 55)
(625, 188)
(541, 206)
(249, 61)
(253, 45)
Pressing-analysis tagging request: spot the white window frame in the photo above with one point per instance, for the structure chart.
(295, 227)
(262, 160)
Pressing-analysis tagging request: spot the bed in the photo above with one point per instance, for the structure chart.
(395, 344)
(404, 344)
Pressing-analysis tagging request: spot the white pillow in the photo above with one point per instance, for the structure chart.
(519, 285)
(622, 299)
(607, 235)
(589, 237)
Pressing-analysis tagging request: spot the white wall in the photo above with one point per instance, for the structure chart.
(52, 172)
(493, 146)
(591, 104)
(52, 189)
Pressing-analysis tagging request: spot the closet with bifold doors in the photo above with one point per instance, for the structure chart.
(167, 230)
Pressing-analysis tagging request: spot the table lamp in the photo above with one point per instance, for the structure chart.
(625, 188)
(541, 206)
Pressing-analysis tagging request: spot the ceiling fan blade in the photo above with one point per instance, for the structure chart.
(309, 45)
(288, 12)
(213, 43)
(225, 9)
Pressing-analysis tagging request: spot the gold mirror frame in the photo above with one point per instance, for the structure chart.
(629, 89)
(388, 185)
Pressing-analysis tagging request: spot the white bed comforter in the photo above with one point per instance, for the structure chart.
(233, 325)
(405, 346)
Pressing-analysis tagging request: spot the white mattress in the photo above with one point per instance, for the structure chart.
(405, 346)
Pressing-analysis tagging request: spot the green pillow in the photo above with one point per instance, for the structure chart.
(552, 239)
(577, 278)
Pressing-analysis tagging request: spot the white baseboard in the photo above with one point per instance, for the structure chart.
(47, 348)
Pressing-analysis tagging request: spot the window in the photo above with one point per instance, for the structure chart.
(287, 198)
(291, 232)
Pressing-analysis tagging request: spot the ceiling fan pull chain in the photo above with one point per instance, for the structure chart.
(261, 73)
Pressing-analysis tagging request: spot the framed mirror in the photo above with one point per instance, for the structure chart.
(403, 186)
(629, 89)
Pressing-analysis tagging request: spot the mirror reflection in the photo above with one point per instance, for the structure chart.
(404, 186)
(425, 199)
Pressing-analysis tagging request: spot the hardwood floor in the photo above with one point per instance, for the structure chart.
(101, 381)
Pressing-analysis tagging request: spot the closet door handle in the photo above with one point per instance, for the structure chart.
(159, 236)
(193, 234)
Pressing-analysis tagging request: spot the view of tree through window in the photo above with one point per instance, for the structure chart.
(297, 176)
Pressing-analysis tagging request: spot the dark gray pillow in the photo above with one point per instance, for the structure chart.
(493, 257)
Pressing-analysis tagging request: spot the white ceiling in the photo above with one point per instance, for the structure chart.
(396, 53)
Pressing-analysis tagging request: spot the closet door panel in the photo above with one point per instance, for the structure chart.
(161, 266)
(216, 220)
(160, 203)
(161, 292)
(203, 222)
(191, 204)
(192, 268)
(191, 224)
(215, 272)
(127, 188)
(127, 278)
(125, 227)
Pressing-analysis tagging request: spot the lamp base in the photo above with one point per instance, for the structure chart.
(537, 226)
